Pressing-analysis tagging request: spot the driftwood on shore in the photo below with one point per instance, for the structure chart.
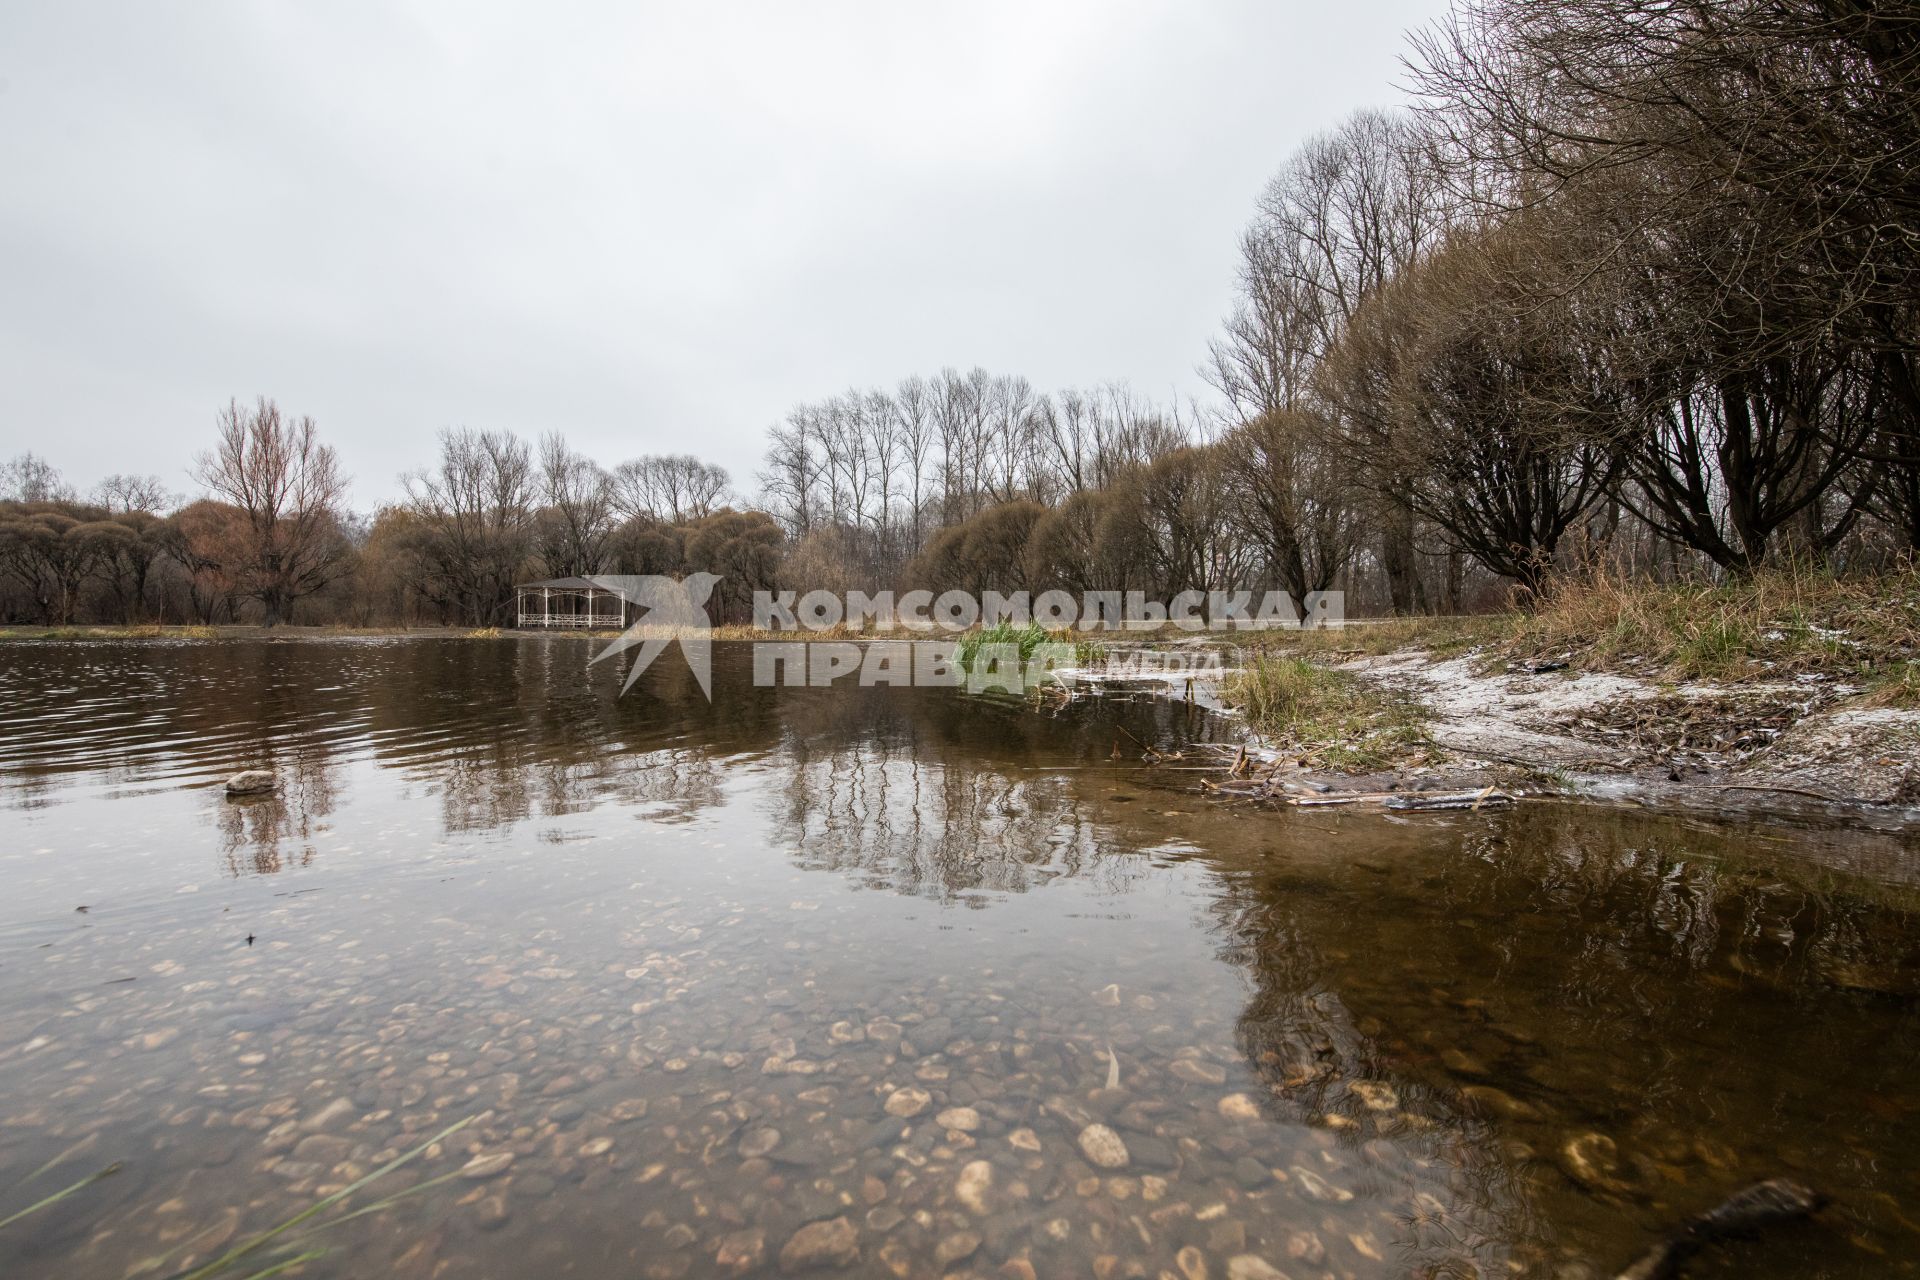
(1265, 780)
(1399, 801)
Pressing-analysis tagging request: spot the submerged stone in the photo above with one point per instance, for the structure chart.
(1103, 1147)
(833, 1243)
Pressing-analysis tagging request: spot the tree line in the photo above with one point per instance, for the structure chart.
(1626, 283)
(272, 540)
(1629, 283)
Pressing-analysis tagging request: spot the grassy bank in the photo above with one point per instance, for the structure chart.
(1761, 652)
(1329, 718)
(149, 632)
(1772, 626)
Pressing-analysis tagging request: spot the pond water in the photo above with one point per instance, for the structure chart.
(887, 982)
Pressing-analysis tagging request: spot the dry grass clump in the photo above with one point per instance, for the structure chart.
(1326, 716)
(1371, 637)
(1772, 624)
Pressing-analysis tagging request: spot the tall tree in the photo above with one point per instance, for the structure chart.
(31, 478)
(1349, 210)
(1499, 415)
(288, 488)
(576, 518)
(473, 523)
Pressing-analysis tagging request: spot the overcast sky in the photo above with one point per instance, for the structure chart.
(655, 229)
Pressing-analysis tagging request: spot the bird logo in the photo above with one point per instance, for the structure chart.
(670, 610)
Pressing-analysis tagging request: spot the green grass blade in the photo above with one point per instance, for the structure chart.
(58, 1196)
(241, 1250)
(378, 1205)
(60, 1159)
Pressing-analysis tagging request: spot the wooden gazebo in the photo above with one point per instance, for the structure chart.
(568, 604)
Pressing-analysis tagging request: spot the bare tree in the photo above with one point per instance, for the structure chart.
(288, 488)
(127, 570)
(960, 421)
(673, 488)
(135, 493)
(1179, 509)
(55, 552)
(208, 539)
(790, 481)
(1290, 500)
(1502, 424)
(1009, 444)
(1753, 167)
(31, 478)
(473, 523)
(576, 520)
(1348, 212)
(914, 423)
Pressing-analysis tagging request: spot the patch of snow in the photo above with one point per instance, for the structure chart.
(1504, 716)
(1456, 688)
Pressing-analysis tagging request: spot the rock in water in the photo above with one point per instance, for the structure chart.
(480, 1168)
(741, 1251)
(1592, 1160)
(1761, 1205)
(1238, 1106)
(1249, 1266)
(755, 1143)
(1103, 1147)
(252, 782)
(834, 1243)
(965, 1119)
(972, 1187)
(961, 1244)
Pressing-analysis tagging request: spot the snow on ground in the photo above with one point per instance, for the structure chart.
(1803, 736)
(1826, 748)
(1506, 717)
(1870, 754)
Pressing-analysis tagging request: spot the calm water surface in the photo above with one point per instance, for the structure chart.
(706, 974)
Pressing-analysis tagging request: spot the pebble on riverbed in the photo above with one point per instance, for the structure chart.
(930, 1129)
(834, 1243)
(1103, 1147)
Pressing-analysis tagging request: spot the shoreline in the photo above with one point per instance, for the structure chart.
(1783, 749)
(1801, 746)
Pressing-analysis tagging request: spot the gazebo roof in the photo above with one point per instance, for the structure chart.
(559, 584)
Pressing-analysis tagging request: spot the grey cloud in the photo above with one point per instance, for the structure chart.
(653, 229)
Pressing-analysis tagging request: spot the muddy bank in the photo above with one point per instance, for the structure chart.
(1777, 744)
(1790, 747)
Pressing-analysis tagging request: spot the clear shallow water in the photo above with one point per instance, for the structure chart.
(693, 968)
